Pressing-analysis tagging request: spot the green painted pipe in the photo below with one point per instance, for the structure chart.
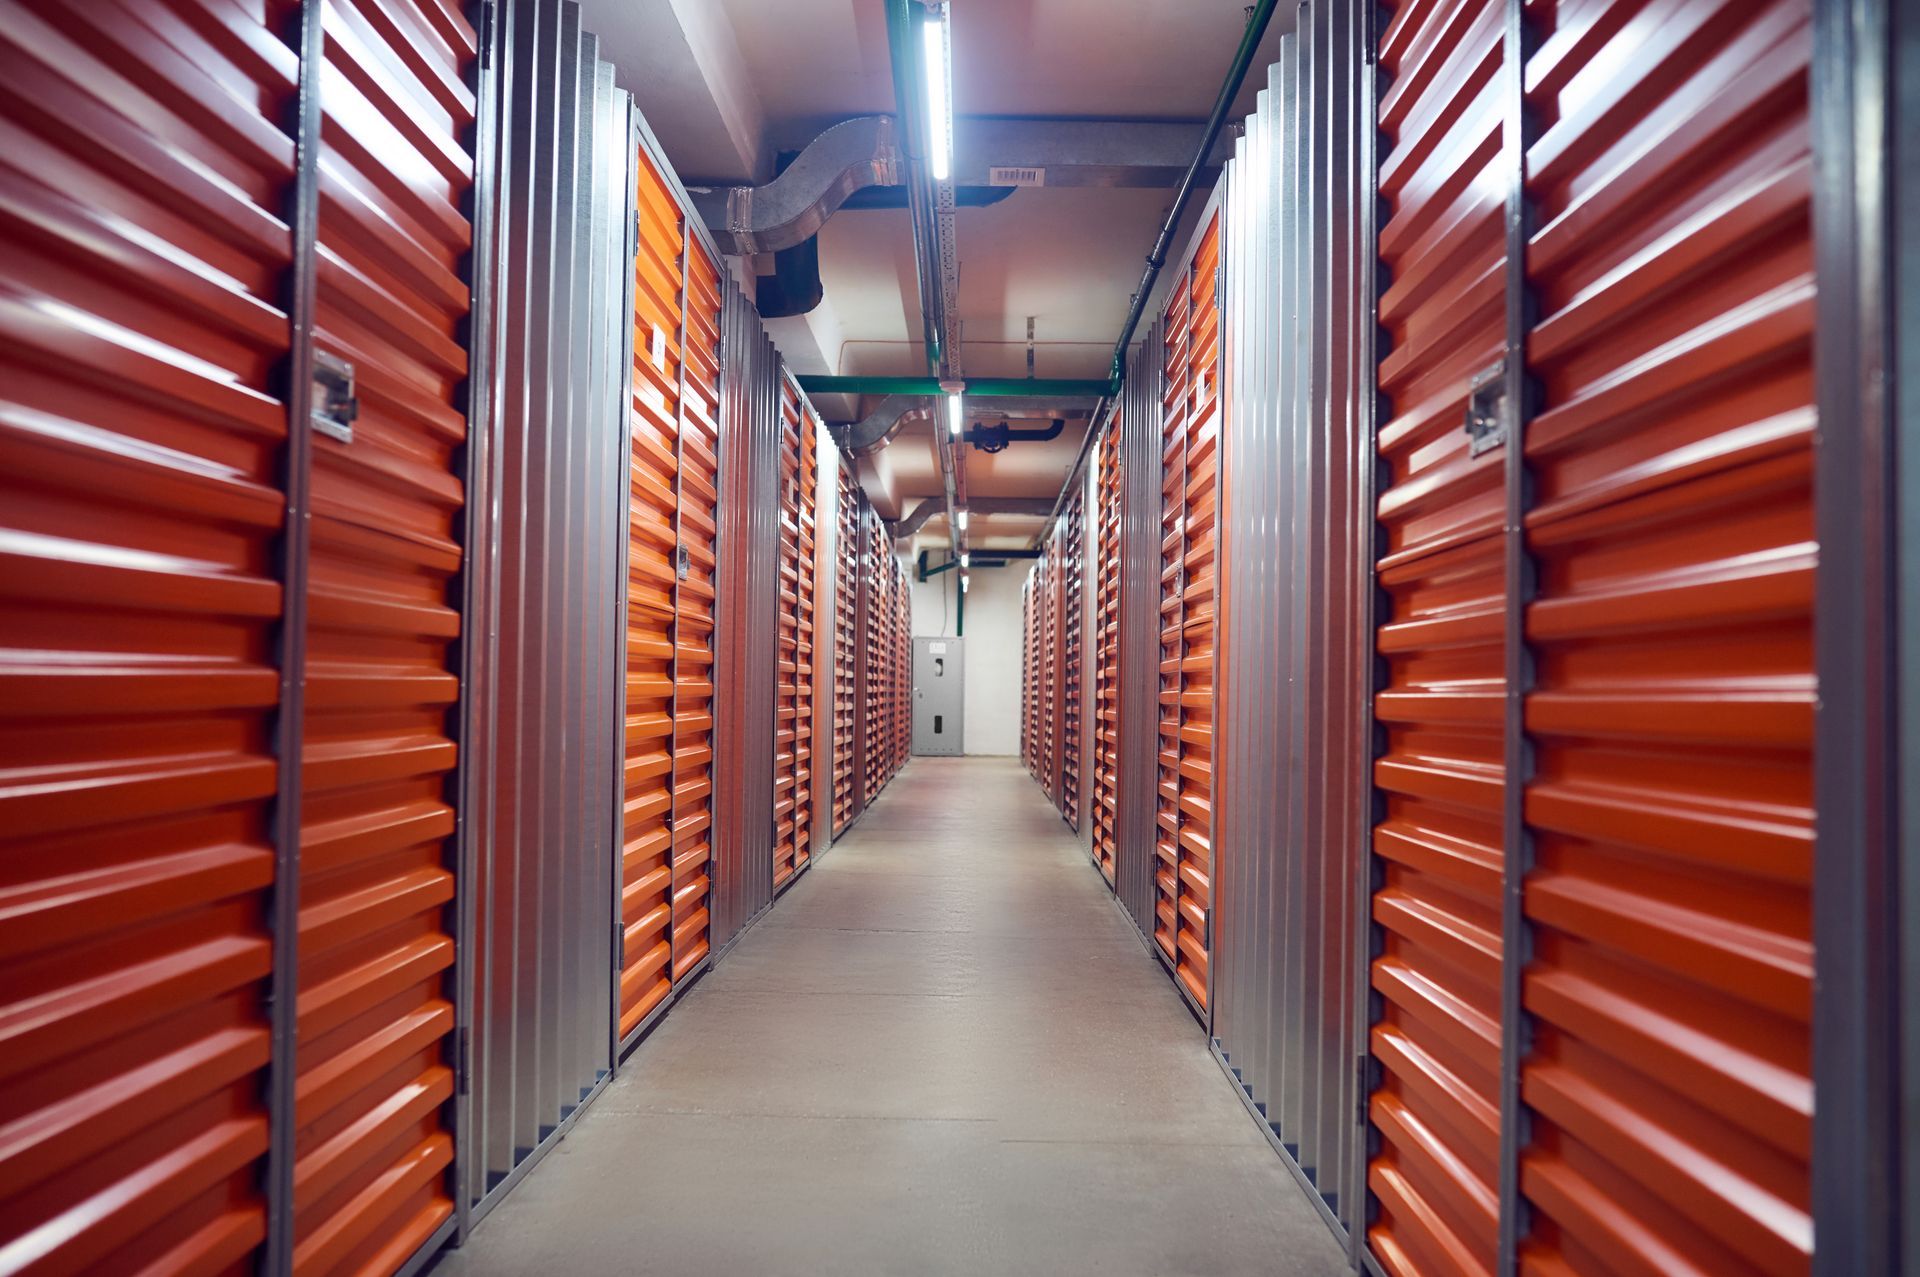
(978, 387)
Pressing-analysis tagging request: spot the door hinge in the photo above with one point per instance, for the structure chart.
(334, 408)
(634, 249)
(682, 562)
(1362, 1089)
(463, 1063)
(1486, 423)
(1219, 283)
(619, 944)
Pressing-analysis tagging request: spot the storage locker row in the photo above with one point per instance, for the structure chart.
(1485, 840)
(393, 727)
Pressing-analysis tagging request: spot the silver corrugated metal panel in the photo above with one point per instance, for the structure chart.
(826, 602)
(547, 634)
(746, 656)
(1289, 821)
(1139, 627)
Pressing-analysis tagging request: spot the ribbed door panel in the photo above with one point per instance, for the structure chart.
(1436, 1039)
(1106, 653)
(873, 582)
(1190, 433)
(846, 585)
(1072, 653)
(646, 908)
(1029, 668)
(693, 616)
(1671, 986)
(374, 1130)
(793, 729)
(143, 264)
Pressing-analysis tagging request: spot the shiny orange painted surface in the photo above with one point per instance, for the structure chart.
(1672, 716)
(646, 870)
(144, 167)
(845, 688)
(793, 748)
(1072, 656)
(374, 1131)
(1106, 653)
(1190, 433)
(1436, 1041)
(694, 596)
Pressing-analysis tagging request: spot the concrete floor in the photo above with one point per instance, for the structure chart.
(944, 1051)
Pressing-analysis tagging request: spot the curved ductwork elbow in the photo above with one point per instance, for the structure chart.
(848, 157)
(877, 429)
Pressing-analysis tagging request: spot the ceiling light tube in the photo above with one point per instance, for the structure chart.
(966, 559)
(956, 420)
(963, 583)
(938, 75)
(961, 517)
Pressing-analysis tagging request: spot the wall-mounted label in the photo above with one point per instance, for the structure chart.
(938, 649)
(1016, 176)
(659, 347)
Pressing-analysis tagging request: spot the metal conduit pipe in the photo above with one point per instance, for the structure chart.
(931, 275)
(1157, 255)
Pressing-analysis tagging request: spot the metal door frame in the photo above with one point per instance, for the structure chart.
(918, 639)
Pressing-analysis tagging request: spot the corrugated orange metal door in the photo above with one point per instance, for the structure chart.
(1669, 1084)
(806, 788)
(693, 616)
(1026, 674)
(1189, 458)
(646, 908)
(793, 741)
(1073, 655)
(873, 584)
(846, 585)
(1106, 654)
(374, 1135)
(143, 262)
(1436, 1041)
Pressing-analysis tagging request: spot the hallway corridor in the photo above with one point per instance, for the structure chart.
(945, 1052)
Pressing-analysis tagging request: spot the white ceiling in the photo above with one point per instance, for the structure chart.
(726, 83)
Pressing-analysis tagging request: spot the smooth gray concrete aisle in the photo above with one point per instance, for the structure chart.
(943, 1051)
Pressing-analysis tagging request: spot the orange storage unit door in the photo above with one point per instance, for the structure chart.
(143, 266)
(694, 595)
(646, 858)
(1073, 654)
(1437, 903)
(1190, 432)
(793, 737)
(1437, 900)
(376, 947)
(1105, 652)
(1669, 1088)
(846, 676)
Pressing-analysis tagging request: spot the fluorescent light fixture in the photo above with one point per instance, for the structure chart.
(961, 518)
(956, 420)
(966, 560)
(933, 30)
(963, 583)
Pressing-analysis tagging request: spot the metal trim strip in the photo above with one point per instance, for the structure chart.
(478, 653)
(1515, 935)
(1856, 1064)
(289, 724)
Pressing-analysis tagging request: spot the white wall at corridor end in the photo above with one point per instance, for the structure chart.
(992, 649)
